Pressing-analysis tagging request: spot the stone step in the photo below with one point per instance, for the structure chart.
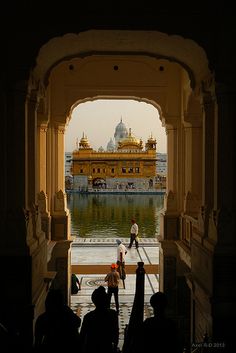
(111, 241)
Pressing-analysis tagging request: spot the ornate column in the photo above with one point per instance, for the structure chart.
(193, 158)
(209, 154)
(169, 218)
(42, 196)
(31, 151)
(60, 216)
(213, 246)
(200, 280)
(22, 246)
(171, 268)
(169, 231)
(223, 224)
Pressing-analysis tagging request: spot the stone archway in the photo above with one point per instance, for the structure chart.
(111, 69)
(146, 66)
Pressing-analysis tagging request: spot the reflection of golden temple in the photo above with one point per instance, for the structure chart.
(97, 210)
(124, 165)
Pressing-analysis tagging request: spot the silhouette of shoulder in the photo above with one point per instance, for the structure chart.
(100, 330)
(158, 334)
(58, 325)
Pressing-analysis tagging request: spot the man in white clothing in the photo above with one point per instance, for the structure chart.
(121, 252)
(133, 234)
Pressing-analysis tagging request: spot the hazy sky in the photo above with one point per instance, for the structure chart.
(98, 120)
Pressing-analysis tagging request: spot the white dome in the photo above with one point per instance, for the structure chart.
(120, 131)
(110, 145)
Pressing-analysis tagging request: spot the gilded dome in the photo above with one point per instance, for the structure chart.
(84, 143)
(130, 142)
(151, 139)
(151, 143)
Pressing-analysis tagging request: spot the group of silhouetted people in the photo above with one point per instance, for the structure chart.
(58, 327)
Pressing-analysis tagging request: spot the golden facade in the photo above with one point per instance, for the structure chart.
(128, 166)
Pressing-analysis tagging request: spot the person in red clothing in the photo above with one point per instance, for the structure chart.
(112, 279)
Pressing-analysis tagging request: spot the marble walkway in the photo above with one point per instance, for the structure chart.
(94, 257)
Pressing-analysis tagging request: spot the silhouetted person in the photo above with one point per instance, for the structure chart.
(157, 334)
(100, 330)
(57, 328)
(112, 279)
(75, 284)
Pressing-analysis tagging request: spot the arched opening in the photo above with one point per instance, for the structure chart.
(99, 183)
(167, 85)
(171, 73)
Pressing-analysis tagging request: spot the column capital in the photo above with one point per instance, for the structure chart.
(171, 122)
(59, 127)
(43, 127)
(193, 114)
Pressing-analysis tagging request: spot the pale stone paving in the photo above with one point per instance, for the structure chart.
(91, 251)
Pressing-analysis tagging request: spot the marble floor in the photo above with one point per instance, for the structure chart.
(103, 251)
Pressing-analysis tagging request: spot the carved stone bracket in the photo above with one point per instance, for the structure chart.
(212, 228)
(30, 230)
(60, 203)
(38, 224)
(208, 87)
(201, 218)
(45, 215)
(43, 203)
(191, 204)
(34, 233)
(170, 202)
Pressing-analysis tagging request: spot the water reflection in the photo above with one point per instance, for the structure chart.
(102, 216)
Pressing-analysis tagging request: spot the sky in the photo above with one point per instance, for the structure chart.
(98, 120)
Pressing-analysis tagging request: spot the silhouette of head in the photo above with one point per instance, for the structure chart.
(133, 220)
(158, 301)
(54, 300)
(99, 297)
(118, 241)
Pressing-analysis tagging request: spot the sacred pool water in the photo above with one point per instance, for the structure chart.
(109, 215)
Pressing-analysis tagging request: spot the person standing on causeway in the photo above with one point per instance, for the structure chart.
(112, 279)
(133, 234)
